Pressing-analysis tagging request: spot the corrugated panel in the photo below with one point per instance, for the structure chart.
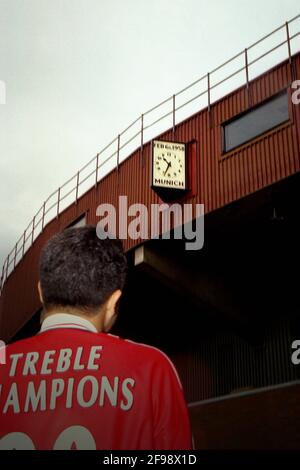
(220, 180)
(226, 363)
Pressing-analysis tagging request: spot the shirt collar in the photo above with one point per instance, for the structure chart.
(67, 320)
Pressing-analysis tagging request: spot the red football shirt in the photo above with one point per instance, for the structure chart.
(72, 388)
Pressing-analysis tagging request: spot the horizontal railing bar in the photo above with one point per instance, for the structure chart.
(94, 158)
(54, 193)
(27, 238)
(227, 78)
(40, 209)
(266, 36)
(294, 19)
(19, 250)
(107, 159)
(158, 120)
(83, 168)
(191, 100)
(228, 62)
(131, 125)
(191, 85)
(50, 208)
(294, 36)
(20, 239)
(130, 140)
(108, 145)
(158, 105)
(38, 222)
(67, 194)
(266, 53)
(68, 181)
(87, 177)
(273, 32)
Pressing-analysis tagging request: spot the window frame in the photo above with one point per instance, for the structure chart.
(225, 153)
(78, 219)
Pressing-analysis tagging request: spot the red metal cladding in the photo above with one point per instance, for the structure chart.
(216, 179)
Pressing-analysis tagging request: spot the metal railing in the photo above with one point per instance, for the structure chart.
(138, 132)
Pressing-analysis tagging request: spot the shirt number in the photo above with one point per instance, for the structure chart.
(74, 437)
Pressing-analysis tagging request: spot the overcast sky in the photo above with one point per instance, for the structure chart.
(77, 72)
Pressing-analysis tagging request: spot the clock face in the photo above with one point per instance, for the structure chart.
(168, 165)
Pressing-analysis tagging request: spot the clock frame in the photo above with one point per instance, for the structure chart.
(169, 169)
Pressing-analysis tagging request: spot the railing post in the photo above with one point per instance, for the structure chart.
(246, 67)
(15, 257)
(7, 264)
(77, 185)
(289, 50)
(2, 274)
(2, 278)
(288, 41)
(142, 140)
(58, 201)
(118, 153)
(208, 98)
(32, 233)
(97, 162)
(208, 92)
(43, 216)
(174, 110)
(247, 78)
(23, 246)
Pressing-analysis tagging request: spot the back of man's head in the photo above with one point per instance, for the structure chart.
(78, 270)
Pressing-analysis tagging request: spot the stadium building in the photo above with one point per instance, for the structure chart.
(227, 314)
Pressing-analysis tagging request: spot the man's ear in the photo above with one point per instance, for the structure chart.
(40, 292)
(110, 314)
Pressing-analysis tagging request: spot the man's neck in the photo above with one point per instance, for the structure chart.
(63, 319)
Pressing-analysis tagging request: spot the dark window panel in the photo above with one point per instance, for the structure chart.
(256, 121)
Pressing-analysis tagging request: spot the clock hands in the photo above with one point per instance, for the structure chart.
(169, 164)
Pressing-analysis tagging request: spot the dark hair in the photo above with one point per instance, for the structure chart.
(78, 269)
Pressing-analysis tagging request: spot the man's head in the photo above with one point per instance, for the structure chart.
(83, 275)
